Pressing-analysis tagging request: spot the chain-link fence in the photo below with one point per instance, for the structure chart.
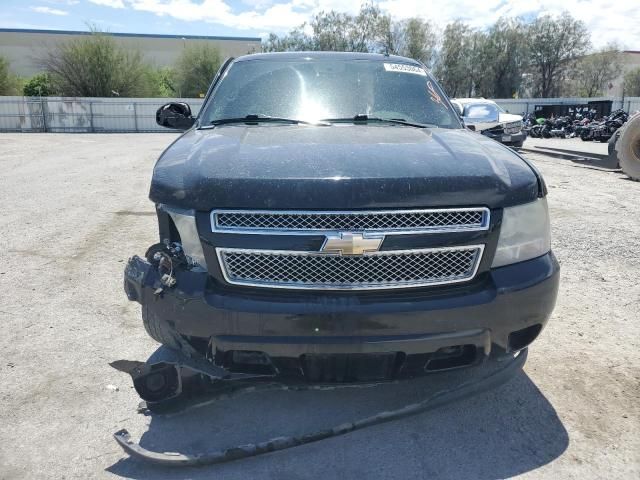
(83, 115)
(110, 115)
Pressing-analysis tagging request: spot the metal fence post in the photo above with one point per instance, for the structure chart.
(91, 127)
(44, 114)
(135, 115)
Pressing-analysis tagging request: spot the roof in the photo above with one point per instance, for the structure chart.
(328, 55)
(134, 35)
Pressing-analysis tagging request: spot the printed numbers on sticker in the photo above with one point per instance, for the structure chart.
(404, 68)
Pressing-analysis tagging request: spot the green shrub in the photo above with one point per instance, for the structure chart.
(195, 69)
(97, 66)
(38, 86)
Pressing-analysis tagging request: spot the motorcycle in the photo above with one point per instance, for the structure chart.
(603, 130)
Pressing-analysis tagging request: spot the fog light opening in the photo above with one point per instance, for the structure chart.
(521, 338)
(247, 361)
(454, 356)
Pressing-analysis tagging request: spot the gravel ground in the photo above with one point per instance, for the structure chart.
(76, 208)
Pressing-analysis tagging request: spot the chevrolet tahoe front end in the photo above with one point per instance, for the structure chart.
(327, 217)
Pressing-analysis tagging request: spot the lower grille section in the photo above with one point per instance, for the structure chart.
(349, 367)
(379, 270)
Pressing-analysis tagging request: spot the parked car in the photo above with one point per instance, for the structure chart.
(326, 216)
(490, 119)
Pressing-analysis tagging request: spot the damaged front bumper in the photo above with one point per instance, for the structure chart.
(325, 336)
(508, 139)
(490, 376)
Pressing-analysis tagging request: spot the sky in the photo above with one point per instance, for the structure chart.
(608, 21)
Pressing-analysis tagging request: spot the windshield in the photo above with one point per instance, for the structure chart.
(482, 111)
(311, 90)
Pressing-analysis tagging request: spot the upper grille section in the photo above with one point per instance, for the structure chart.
(384, 221)
(392, 269)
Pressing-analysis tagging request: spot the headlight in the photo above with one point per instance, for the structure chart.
(185, 222)
(525, 233)
(513, 127)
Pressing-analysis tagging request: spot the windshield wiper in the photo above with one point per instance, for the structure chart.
(255, 118)
(364, 118)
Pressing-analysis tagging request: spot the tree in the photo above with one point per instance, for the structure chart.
(96, 66)
(331, 31)
(366, 29)
(8, 81)
(164, 80)
(554, 44)
(274, 43)
(196, 68)
(336, 32)
(504, 57)
(632, 83)
(475, 58)
(389, 35)
(460, 59)
(593, 72)
(414, 38)
(38, 86)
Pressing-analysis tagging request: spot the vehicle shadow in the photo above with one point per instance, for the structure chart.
(496, 434)
(605, 162)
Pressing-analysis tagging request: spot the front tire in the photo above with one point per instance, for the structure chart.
(157, 329)
(628, 148)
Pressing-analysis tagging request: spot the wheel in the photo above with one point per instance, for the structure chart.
(628, 148)
(158, 330)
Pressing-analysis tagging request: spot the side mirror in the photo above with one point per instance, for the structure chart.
(176, 115)
(470, 127)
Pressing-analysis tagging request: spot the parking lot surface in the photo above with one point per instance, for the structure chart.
(76, 207)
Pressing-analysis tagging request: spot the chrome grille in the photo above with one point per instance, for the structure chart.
(388, 222)
(389, 269)
(513, 127)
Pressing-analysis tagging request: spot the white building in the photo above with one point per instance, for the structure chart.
(24, 48)
(630, 61)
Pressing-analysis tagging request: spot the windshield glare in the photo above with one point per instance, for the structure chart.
(312, 90)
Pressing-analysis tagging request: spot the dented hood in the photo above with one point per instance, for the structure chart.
(338, 167)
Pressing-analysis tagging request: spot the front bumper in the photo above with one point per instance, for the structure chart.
(506, 138)
(402, 329)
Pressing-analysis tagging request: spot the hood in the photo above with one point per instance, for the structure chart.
(509, 117)
(338, 167)
(503, 119)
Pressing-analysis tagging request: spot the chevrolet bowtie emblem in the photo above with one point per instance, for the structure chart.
(351, 244)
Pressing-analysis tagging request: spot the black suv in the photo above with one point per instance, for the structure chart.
(327, 216)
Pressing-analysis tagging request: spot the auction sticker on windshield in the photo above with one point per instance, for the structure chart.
(404, 68)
